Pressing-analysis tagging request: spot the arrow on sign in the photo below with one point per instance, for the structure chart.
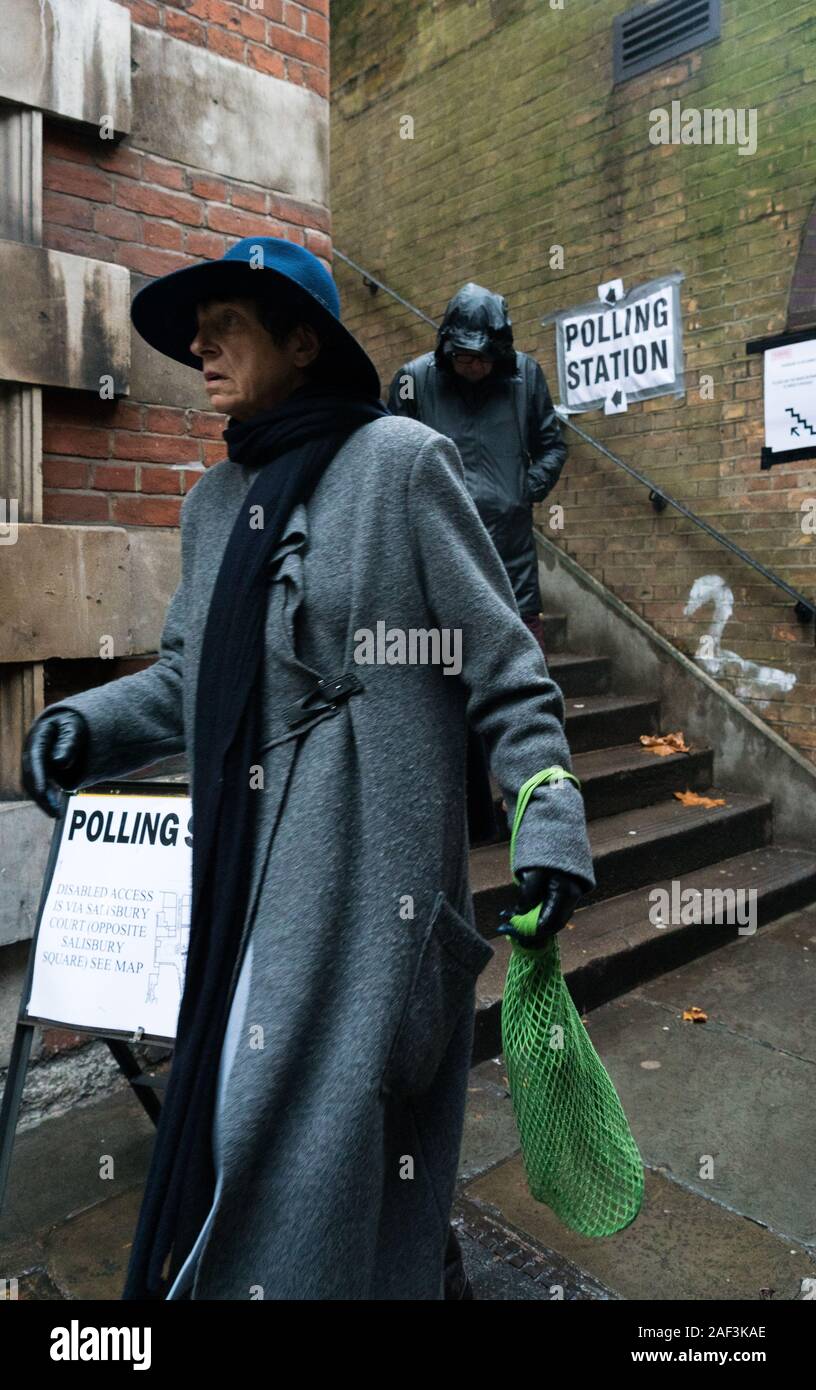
(615, 402)
(610, 291)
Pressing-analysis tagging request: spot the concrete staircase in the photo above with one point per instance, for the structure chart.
(642, 837)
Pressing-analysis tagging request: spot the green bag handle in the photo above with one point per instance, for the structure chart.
(526, 922)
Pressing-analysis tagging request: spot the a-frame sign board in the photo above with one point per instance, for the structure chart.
(110, 942)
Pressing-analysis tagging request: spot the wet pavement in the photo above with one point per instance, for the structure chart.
(724, 1114)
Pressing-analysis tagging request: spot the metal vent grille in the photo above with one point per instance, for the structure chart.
(652, 34)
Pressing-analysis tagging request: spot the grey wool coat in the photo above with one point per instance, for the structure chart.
(342, 1099)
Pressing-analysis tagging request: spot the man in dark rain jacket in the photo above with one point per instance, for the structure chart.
(493, 401)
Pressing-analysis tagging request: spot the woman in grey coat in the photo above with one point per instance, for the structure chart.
(343, 1024)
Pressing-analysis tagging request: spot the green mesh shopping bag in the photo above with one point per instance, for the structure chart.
(579, 1155)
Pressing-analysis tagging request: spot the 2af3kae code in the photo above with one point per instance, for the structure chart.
(667, 1333)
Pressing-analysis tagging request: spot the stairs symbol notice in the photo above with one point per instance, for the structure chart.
(789, 410)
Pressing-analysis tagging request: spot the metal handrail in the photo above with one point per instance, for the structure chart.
(372, 281)
(805, 608)
(660, 499)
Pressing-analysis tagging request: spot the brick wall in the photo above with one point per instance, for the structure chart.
(275, 36)
(127, 462)
(521, 143)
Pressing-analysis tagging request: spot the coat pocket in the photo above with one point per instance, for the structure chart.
(451, 957)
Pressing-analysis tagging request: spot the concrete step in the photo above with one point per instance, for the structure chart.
(636, 848)
(580, 674)
(613, 945)
(627, 776)
(555, 631)
(602, 721)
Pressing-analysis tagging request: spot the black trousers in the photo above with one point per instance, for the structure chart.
(456, 1280)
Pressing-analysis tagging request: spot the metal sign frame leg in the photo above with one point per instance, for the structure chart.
(144, 1088)
(12, 1095)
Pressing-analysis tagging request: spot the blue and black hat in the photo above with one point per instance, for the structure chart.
(164, 312)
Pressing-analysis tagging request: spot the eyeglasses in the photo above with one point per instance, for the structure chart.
(465, 358)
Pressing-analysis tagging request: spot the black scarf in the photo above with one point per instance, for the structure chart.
(291, 445)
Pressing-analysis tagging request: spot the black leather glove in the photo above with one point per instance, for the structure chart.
(558, 893)
(541, 489)
(54, 756)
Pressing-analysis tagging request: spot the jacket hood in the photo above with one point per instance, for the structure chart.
(476, 320)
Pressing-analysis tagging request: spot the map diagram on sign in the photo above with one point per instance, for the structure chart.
(170, 944)
(799, 421)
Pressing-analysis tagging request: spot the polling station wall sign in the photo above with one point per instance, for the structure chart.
(110, 946)
(621, 348)
(790, 401)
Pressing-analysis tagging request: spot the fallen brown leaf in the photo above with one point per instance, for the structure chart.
(665, 744)
(694, 1015)
(694, 799)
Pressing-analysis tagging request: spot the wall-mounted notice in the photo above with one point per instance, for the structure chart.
(612, 354)
(110, 947)
(790, 398)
